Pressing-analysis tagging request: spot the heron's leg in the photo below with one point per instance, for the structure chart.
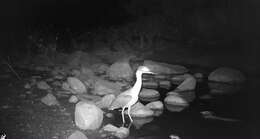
(129, 109)
(122, 113)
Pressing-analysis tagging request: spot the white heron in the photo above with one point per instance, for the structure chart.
(129, 97)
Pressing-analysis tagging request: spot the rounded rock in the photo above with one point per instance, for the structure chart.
(227, 75)
(156, 105)
(175, 100)
(88, 116)
(76, 85)
(149, 95)
(73, 99)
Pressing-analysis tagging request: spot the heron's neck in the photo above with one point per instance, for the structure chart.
(138, 84)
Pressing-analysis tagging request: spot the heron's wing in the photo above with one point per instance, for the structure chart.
(120, 101)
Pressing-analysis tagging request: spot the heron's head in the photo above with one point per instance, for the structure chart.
(144, 69)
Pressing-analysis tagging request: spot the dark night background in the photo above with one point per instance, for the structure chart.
(234, 22)
(221, 32)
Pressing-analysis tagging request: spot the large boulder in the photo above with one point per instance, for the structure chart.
(88, 116)
(104, 87)
(227, 75)
(149, 95)
(121, 70)
(164, 68)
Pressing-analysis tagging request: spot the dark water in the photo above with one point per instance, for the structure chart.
(189, 123)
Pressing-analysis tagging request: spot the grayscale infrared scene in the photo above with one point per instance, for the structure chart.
(129, 69)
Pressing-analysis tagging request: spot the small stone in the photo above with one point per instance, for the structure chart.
(58, 77)
(56, 83)
(122, 132)
(33, 81)
(27, 86)
(156, 105)
(73, 99)
(76, 85)
(174, 136)
(49, 100)
(43, 85)
(109, 115)
(77, 135)
(6, 107)
(198, 75)
(110, 128)
(28, 92)
(65, 86)
(49, 80)
(75, 72)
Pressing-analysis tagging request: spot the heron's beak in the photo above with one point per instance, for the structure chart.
(149, 72)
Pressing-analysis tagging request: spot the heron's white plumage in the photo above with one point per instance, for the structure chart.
(129, 97)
